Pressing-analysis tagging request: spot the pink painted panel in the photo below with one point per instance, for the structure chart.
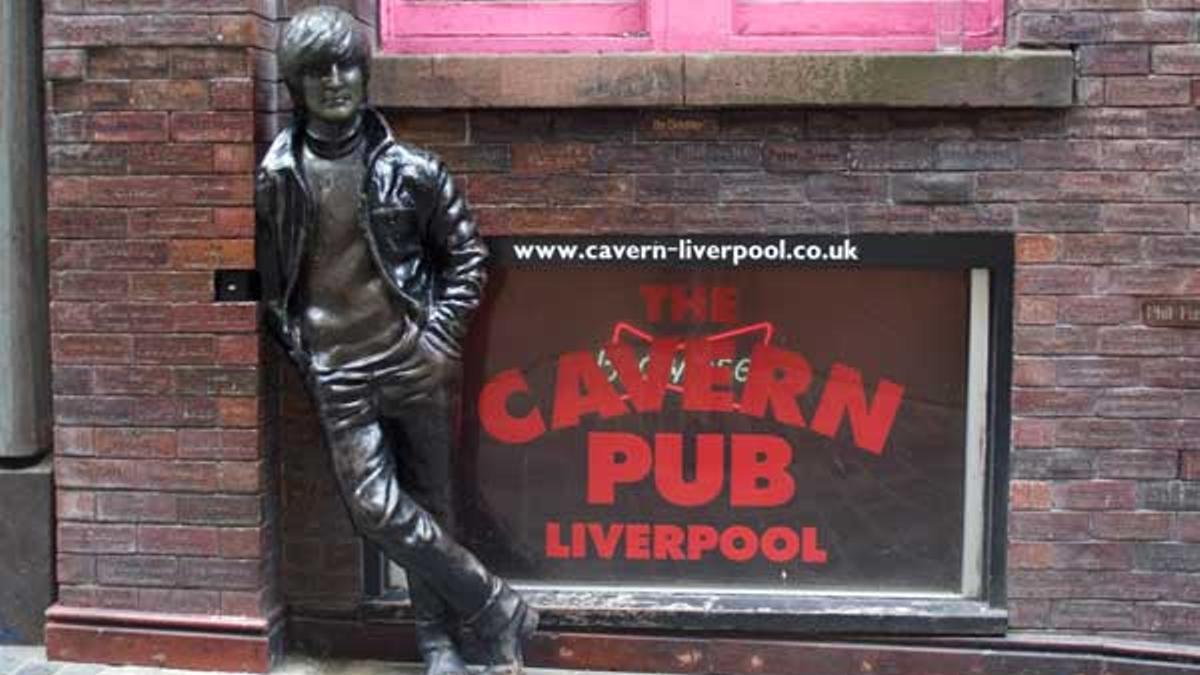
(573, 26)
(501, 19)
(867, 19)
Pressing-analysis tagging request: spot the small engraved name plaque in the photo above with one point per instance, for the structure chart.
(1171, 313)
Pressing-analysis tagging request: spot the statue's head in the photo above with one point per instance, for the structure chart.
(324, 57)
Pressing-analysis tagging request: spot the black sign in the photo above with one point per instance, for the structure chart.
(778, 423)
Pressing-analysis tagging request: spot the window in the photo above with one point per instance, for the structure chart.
(482, 26)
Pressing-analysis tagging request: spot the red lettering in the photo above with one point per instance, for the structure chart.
(723, 304)
(777, 378)
(758, 474)
(812, 551)
(739, 543)
(494, 414)
(702, 376)
(668, 542)
(614, 457)
(554, 545)
(844, 393)
(668, 469)
(578, 540)
(700, 539)
(637, 541)
(645, 392)
(605, 539)
(688, 304)
(654, 295)
(780, 544)
(581, 389)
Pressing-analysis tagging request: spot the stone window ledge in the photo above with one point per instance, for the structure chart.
(999, 79)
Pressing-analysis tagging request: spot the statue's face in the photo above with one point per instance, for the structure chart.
(334, 93)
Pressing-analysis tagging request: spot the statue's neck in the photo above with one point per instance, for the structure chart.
(333, 140)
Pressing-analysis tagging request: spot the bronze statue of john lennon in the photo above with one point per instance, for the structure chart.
(371, 265)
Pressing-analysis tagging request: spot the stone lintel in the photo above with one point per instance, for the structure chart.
(1000, 79)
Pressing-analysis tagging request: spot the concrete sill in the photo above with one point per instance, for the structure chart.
(1001, 79)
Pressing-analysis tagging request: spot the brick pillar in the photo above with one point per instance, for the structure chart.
(164, 489)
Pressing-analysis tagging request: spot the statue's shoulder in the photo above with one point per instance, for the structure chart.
(280, 155)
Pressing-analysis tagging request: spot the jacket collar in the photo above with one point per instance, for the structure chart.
(285, 156)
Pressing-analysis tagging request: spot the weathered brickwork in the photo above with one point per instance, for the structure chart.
(163, 478)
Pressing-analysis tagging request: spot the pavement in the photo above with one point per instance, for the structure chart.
(32, 661)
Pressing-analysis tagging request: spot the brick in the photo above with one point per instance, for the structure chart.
(1176, 59)
(1131, 526)
(178, 540)
(1059, 217)
(1115, 59)
(170, 222)
(1140, 403)
(1173, 122)
(885, 156)
(1033, 372)
(95, 538)
(216, 381)
(932, 188)
(212, 253)
(242, 543)
(93, 410)
(1146, 280)
(214, 191)
(1149, 27)
(71, 380)
(1137, 464)
(1095, 495)
(1174, 250)
(222, 574)
(63, 64)
(220, 510)
(1036, 248)
(1092, 615)
(238, 350)
(1040, 526)
(233, 94)
(1143, 217)
(541, 158)
(1155, 91)
(241, 477)
(229, 444)
(222, 127)
(678, 125)
(1106, 309)
(138, 570)
(1036, 29)
(208, 63)
(177, 286)
(1143, 154)
(1169, 496)
(1055, 340)
(845, 188)
(66, 159)
(1171, 373)
(1096, 433)
(959, 155)
(1054, 463)
(1037, 310)
(707, 157)
(1168, 618)
(170, 158)
(805, 157)
(81, 31)
(213, 318)
(428, 127)
(75, 504)
(1028, 613)
(174, 349)
(235, 158)
(1189, 466)
(75, 569)
(91, 349)
(1187, 527)
(134, 443)
(179, 600)
(137, 507)
(237, 412)
(1155, 557)
(1055, 280)
(128, 127)
(1027, 495)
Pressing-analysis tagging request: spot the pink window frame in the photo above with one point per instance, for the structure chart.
(579, 26)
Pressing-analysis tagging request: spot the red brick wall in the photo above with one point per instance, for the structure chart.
(160, 460)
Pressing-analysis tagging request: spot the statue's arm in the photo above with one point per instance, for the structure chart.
(463, 257)
(268, 209)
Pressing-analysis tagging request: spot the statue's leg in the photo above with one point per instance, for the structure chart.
(423, 458)
(366, 472)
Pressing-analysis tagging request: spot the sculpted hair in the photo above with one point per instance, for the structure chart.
(315, 39)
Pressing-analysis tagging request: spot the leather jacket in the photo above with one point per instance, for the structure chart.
(418, 227)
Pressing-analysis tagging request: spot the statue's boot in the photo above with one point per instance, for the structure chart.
(503, 624)
(434, 642)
